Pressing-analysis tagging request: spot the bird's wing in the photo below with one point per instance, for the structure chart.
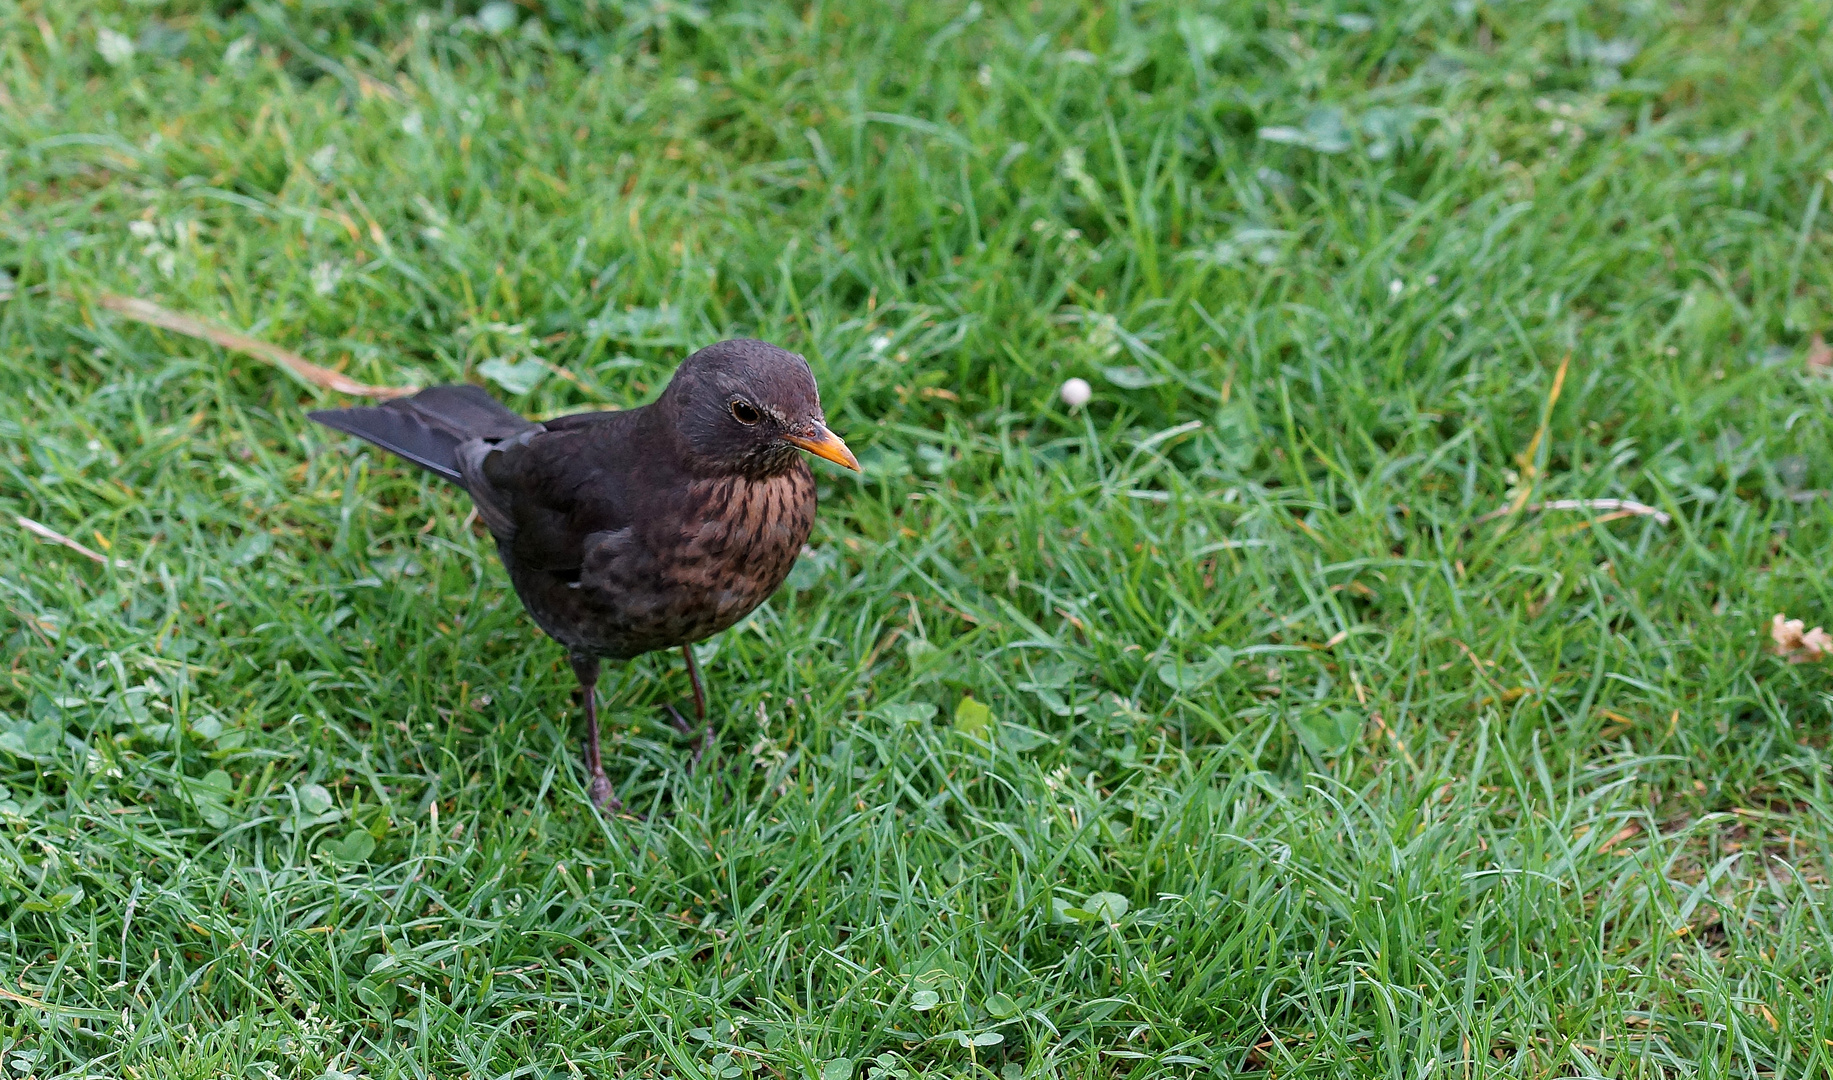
(544, 493)
(431, 428)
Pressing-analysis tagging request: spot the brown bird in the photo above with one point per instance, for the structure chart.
(628, 532)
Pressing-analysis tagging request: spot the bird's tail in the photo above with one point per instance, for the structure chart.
(428, 427)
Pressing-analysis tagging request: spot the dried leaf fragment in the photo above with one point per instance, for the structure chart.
(1627, 832)
(1796, 645)
(1820, 354)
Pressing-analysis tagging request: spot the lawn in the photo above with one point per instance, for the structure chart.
(1295, 707)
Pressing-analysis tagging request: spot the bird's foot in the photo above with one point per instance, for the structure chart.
(686, 728)
(602, 796)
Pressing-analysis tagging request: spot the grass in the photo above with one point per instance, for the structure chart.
(1275, 759)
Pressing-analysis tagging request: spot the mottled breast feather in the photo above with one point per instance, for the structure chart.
(726, 545)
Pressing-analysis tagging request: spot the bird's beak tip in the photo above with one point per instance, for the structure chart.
(825, 444)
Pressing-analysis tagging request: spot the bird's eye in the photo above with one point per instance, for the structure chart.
(745, 413)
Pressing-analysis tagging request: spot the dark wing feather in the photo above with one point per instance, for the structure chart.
(429, 427)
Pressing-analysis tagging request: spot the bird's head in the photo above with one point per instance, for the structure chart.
(747, 406)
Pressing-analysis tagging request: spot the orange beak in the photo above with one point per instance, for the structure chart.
(825, 444)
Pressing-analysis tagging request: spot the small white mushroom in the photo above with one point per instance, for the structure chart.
(1076, 392)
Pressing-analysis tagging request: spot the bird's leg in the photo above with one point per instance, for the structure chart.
(693, 675)
(585, 668)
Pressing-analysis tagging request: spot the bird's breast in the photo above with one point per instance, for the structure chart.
(681, 576)
(750, 518)
(743, 535)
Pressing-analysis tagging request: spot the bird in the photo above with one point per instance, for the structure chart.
(630, 531)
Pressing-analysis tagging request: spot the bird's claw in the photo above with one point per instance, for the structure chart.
(706, 743)
(684, 727)
(602, 795)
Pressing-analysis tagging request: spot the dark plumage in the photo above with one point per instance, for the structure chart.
(628, 532)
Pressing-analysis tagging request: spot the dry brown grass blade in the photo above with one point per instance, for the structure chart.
(154, 315)
(1529, 471)
(46, 532)
(1616, 507)
(21, 999)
